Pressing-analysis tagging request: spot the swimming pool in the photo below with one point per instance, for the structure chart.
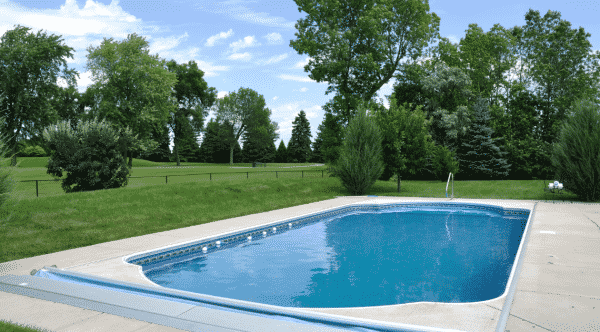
(435, 251)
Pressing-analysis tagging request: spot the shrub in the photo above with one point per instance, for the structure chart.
(576, 155)
(92, 155)
(443, 163)
(7, 183)
(360, 163)
(33, 151)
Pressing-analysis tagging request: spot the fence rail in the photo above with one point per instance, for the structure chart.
(37, 194)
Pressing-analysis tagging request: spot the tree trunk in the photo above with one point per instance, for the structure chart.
(231, 155)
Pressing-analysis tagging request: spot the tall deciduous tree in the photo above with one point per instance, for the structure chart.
(238, 109)
(359, 44)
(162, 153)
(487, 57)
(131, 88)
(194, 99)
(299, 146)
(29, 68)
(481, 158)
(561, 65)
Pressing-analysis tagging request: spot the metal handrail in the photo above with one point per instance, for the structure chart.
(450, 175)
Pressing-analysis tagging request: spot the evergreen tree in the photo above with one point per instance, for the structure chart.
(479, 157)
(360, 163)
(214, 148)
(188, 147)
(162, 153)
(331, 136)
(317, 156)
(281, 155)
(259, 140)
(299, 147)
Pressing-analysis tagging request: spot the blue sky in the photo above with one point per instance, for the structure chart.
(243, 43)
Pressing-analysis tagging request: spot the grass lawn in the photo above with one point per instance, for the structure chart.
(56, 221)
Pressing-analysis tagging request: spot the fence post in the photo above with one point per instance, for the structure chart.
(210, 175)
(276, 176)
(303, 174)
(166, 181)
(322, 174)
(247, 174)
(37, 193)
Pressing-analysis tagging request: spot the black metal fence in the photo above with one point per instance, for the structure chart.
(210, 177)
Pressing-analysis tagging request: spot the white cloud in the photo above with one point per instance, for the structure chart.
(453, 39)
(301, 64)
(274, 38)
(223, 35)
(240, 56)
(162, 44)
(298, 78)
(274, 59)
(275, 98)
(248, 41)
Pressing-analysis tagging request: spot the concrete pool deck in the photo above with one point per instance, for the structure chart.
(557, 289)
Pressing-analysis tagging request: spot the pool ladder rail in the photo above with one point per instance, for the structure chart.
(450, 175)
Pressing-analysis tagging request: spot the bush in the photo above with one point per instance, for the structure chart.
(7, 183)
(360, 163)
(33, 151)
(444, 163)
(92, 155)
(576, 155)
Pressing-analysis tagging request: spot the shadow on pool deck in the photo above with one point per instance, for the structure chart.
(557, 288)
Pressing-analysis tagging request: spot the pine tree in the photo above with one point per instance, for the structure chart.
(257, 145)
(480, 158)
(299, 147)
(281, 155)
(188, 146)
(331, 136)
(317, 156)
(162, 153)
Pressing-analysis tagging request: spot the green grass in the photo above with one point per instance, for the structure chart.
(58, 221)
(12, 327)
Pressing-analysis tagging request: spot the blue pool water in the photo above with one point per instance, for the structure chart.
(402, 254)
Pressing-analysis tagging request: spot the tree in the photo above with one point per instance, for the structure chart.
(444, 163)
(131, 89)
(576, 156)
(317, 156)
(480, 158)
(194, 99)
(360, 163)
(259, 137)
(487, 58)
(214, 147)
(188, 147)
(299, 146)
(238, 110)
(162, 153)
(281, 156)
(7, 181)
(29, 68)
(406, 140)
(561, 65)
(90, 155)
(354, 48)
(332, 138)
